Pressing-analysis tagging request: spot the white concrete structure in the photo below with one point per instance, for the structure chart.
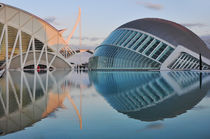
(26, 41)
(151, 44)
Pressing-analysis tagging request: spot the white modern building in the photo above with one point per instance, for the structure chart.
(28, 42)
(151, 44)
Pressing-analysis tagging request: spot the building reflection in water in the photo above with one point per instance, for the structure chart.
(26, 98)
(151, 96)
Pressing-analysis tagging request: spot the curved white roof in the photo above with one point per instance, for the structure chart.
(31, 25)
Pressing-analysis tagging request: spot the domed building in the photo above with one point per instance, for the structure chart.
(151, 44)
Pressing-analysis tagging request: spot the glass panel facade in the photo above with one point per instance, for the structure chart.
(142, 43)
(124, 38)
(145, 44)
(133, 41)
(139, 41)
(111, 57)
(153, 46)
(149, 49)
(159, 51)
(129, 39)
(165, 55)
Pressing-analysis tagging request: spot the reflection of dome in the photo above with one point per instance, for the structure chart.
(169, 108)
(149, 96)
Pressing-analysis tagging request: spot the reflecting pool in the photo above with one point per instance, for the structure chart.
(99, 104)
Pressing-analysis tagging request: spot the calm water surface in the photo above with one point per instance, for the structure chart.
(67, 104)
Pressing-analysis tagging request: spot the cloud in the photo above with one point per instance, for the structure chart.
(152, 126)
(198, 108)
(190, 25)
(84, 46)
(51, 20)
(89, 38)
(87, 42)
(206, 39)
(155, 126)
(150, 5)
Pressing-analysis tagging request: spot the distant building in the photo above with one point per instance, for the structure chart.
(151, 43)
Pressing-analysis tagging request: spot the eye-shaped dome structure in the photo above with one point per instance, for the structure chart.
(171, 32)
(151, 43)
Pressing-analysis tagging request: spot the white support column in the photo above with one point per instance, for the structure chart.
(28, 87)
(2, 36)
(21, 50)
(40, 82)
(13, 48)
(26, 55)
(45, 47)
(40, 56)
(34, 53)
(46, 57)
(13, 89)
(2, 101)
(6, 41)
(34, 88)
(52, 60)
(46, 81)
(7, 93)
(52, 78)
(21, 90)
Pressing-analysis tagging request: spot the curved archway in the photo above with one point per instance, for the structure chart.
(41, 58)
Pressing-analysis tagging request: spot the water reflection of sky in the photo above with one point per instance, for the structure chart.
(82, 105)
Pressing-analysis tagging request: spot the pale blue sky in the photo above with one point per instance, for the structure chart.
(100, 17)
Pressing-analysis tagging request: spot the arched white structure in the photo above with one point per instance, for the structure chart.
(30, 41)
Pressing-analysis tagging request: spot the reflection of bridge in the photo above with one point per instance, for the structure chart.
(27, 98)
(151, 96)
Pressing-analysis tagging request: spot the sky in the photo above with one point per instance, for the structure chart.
(101, 17)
